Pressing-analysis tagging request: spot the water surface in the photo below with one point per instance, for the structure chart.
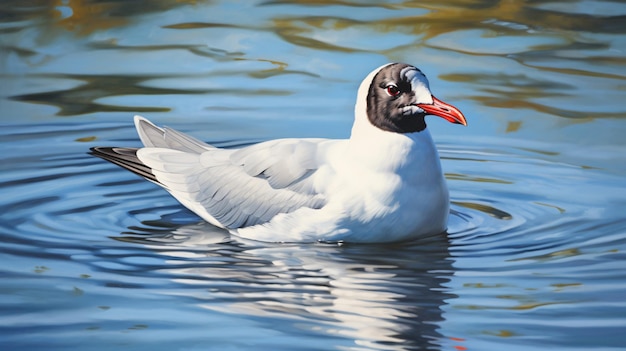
(94, 258)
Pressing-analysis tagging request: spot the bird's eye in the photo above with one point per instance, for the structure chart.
(393, 90)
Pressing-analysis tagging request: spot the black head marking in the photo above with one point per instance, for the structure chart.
(389, 94)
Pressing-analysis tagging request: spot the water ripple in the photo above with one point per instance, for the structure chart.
(96, 257)
(517, 242)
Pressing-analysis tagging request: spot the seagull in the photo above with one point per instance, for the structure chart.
(384, 184)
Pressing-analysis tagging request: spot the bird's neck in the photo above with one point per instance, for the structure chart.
(383, 151)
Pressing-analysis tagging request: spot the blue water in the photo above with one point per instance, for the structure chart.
(95, 258)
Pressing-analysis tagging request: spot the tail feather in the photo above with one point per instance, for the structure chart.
(125, 158)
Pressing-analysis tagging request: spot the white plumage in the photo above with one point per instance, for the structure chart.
(384, 184)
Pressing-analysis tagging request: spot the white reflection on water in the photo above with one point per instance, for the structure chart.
(362, 293)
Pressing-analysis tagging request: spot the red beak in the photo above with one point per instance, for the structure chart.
(445, 111)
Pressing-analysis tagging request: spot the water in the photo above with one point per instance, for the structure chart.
(94, 258)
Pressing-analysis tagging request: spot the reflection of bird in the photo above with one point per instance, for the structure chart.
(365, 297)
(384, 184)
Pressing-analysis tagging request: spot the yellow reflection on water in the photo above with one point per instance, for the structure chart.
(85, 17)
(551, 256)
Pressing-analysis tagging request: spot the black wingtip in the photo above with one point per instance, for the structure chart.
(93, 151)
(124, 157)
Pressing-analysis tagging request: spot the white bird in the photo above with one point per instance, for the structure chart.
(384, 184)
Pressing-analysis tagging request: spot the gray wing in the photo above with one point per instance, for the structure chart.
(153, 136)
(235, 188)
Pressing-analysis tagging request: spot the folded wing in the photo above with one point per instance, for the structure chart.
(229, 188)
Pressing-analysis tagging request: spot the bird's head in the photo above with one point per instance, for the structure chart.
(397, 97)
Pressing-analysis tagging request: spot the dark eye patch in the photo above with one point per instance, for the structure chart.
(390, 91)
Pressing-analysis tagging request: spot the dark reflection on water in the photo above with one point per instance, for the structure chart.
(94, 258)
(554, 35)
(82, 99)
(519, 92)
